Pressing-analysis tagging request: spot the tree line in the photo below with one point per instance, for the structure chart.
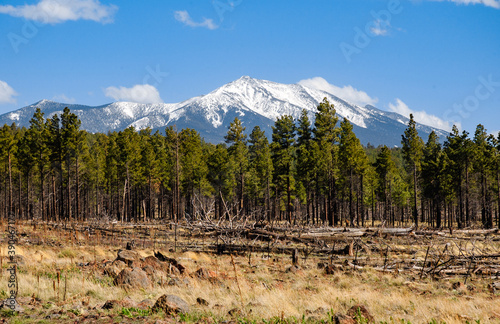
(310, 173)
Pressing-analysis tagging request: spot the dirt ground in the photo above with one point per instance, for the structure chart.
(426, 277)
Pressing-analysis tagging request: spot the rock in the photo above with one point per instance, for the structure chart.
(171, 261)
(234, 312)
(135, 278)
(19, 259)
(12, 304)
(53, 316)
(130, 245)
(202, 273)
(179, 283)
(344, 319)
(459, 286)
(292, 269)
(201, 301)
(153, 275)
(171, 304)
(129, 257)
(110, 304)
(217, 282)
(360, 310)
(146, 304)
(126, 302)
(329, 270)
(156, 264)
(114, 268)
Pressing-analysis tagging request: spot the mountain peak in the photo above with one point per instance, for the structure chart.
(44, 102)
(254, 101)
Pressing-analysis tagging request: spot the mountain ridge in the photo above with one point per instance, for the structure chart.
(254, 101)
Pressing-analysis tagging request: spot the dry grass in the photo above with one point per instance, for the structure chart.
(267, 289)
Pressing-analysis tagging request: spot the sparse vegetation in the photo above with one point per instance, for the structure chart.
(269, 292)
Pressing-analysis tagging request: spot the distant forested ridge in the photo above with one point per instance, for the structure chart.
(311, 173)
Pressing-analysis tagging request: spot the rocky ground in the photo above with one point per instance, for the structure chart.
(63, 279)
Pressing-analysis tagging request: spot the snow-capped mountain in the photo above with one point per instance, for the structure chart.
(255, 102)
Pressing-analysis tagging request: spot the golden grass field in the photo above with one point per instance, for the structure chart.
(268, 292)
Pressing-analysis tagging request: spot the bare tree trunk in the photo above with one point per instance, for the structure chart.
(11, 207)
(415, 211)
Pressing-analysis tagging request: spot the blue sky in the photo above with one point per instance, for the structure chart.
(437, 59)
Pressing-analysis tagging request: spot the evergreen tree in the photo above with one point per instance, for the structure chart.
(282, 154)
(433, 165)
(220, 176)
(326, 136)
(73, 145)
(385, 169)
(483, 161)
(238, 151)
(36, 137)
(412, 153)
(353, 161)
(458, 151)
(8, 149)
(194, 167)
(261, 166)
(305, 159)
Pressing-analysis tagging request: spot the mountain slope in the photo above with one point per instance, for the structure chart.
(255, 102)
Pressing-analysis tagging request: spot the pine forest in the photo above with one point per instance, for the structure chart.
(311, 173)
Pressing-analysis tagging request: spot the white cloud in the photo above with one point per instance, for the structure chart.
(488, 3)
(348, 93)
(6, 93)
(63, 99)
(58, 11)
(140, 93)
(421, 117)
(184, 17)
(380, 28)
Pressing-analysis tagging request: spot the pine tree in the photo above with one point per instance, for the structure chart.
(433, 165)
(172, 144)
(238, 151)
(73, 144)
(282, 154)
(458, 151)
(412, 153)
(54, 143)
(96, 172)
(220, 176)
(194, 168)
(261, 166)
(36, 136)
(353, 161)
(306, 171)
(8, 149)
(483, 161)
(385, 169)
(161, 171)
(326, 136)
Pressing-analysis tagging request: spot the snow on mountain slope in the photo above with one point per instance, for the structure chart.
(255, 102)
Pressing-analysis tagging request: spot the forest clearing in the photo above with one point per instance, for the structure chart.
(236, 272)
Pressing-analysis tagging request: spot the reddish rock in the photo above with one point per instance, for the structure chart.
(360, 310)
(114, 268)
(132, 278)
(129, 257)
(171, 304)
